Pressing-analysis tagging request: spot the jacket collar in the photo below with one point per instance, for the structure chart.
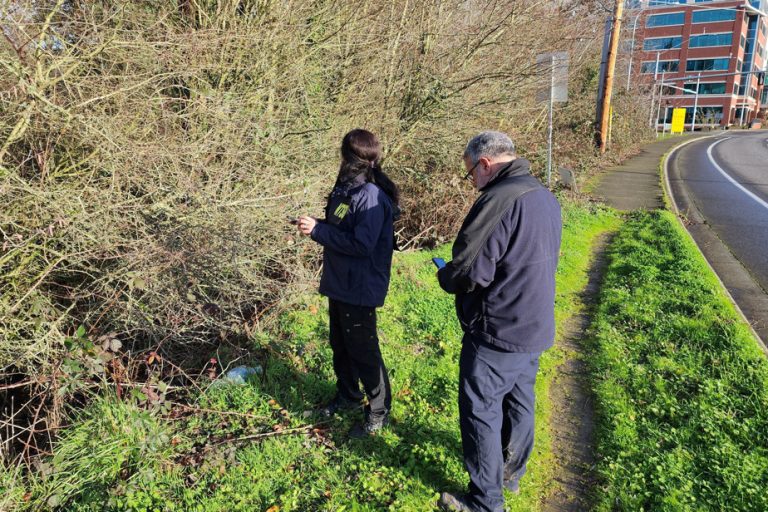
(346, 184)
(354, 181)
(516, 168)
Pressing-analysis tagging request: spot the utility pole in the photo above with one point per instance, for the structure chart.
(610, 70)
(601, 79)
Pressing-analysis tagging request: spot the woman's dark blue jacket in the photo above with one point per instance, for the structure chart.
(357, 237)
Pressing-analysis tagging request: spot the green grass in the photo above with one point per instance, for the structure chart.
(121, 468)
(11, 486)
(682, 385)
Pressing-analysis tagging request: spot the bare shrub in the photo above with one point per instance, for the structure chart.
(151, 152)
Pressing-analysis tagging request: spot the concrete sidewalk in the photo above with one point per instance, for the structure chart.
(636, 184)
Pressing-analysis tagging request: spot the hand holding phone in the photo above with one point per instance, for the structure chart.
(439, 262)
(306, 224)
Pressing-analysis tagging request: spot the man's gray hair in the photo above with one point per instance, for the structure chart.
(490, 145)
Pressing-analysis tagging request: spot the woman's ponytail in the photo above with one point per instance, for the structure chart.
(380, 178)
(361, 152)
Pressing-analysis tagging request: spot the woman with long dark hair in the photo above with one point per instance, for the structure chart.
(358, 239)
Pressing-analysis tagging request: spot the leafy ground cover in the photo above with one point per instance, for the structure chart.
(260, 447)
(682, 386)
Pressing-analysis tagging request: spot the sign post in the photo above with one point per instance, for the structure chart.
(552, 67)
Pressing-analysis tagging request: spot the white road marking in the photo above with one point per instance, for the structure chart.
(728, 177)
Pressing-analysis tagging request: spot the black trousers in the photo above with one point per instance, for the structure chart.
(496, 402)
(357, 357)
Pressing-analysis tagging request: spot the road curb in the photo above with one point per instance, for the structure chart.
(672, 205)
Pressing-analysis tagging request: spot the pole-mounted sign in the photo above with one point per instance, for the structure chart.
(553, 74)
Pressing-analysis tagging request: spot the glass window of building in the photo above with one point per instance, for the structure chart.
(707, 65)
(749, 55)
(665, 20)
(704, 40)
(662, 43)
(710, 15)
(665, 66)
(704, 115)
(706, 88)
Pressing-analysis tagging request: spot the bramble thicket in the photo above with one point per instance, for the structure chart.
(151, 151)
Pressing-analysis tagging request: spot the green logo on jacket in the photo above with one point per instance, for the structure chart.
(341, 211)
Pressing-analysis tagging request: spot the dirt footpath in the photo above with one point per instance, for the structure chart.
(574, 422)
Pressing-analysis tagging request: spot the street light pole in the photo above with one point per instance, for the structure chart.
(661, 98)
(653, 92)
(695, 103)
(743, 107)
(632, 51)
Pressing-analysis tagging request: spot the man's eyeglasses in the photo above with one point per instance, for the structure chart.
(468, 176)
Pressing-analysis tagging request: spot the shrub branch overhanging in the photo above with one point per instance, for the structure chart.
(150, 152)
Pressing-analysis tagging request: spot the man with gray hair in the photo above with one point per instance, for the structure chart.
(503, 276)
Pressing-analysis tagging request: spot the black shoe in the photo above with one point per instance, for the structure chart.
(339, 404)
(371, 425)
(512, 486)
(451, 502)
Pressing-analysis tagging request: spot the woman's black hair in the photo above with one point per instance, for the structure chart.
(361, 152)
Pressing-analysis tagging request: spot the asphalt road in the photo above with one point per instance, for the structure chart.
(721, 185)
(726, 178)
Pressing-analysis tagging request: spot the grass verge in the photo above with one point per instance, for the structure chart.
(682, 386)
(250, 450)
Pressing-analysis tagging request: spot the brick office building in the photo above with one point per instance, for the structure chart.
(704, 45)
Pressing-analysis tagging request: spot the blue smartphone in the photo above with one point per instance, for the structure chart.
(439, 262)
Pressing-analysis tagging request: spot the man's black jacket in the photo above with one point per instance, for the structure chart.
(504, 262)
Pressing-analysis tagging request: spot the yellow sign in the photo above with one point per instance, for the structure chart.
(678, 120)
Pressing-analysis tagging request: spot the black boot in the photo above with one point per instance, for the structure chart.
(512, 486)
(337, 405)
(453, 503)
(371, 425)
